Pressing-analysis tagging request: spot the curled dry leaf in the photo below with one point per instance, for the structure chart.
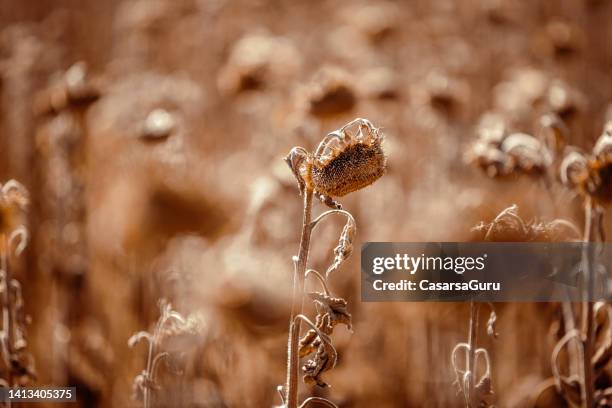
(323, 360)
(331, 311)
(334, 307)
(345, 246)
(491, 323)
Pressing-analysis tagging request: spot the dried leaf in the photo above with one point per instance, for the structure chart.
(334, 307)
(345, 246)
(331, 311)
(324, 360)
(491, 323)
(309, 343)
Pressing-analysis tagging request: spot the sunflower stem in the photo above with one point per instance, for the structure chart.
(297, 303)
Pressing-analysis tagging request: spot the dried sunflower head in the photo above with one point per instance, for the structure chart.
(574, 169)
(331, 92)
(347, 160)
(512, 153)
(591, 174)
(603, 147)
(528, 153)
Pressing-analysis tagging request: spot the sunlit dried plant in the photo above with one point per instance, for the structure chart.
(170, 325)
(591, 177)
(346, 160)
(13, 240)
(473, 385)
(591, 174)
(500, 153)
(507, 226)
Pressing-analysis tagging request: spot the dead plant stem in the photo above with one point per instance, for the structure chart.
(472, 341)
(297, 303)
(587, 307)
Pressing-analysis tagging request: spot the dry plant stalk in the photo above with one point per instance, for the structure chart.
(345, 161)
(591, 177)
(508, 226)
(170, 324)
(477, 391)
(13, 240)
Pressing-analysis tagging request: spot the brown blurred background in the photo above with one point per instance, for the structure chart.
(155, 171)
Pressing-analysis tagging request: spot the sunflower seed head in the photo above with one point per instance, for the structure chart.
(603, 146)
(574, 169)
(352, 165)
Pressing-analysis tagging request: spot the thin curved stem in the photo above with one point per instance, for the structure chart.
(472, 341)
(320, 278)
(557, 350)
(347, 214)
(588, 324)
(318, 400)
(485, 354)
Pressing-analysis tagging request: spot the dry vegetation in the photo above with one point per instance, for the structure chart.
(148, 139)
